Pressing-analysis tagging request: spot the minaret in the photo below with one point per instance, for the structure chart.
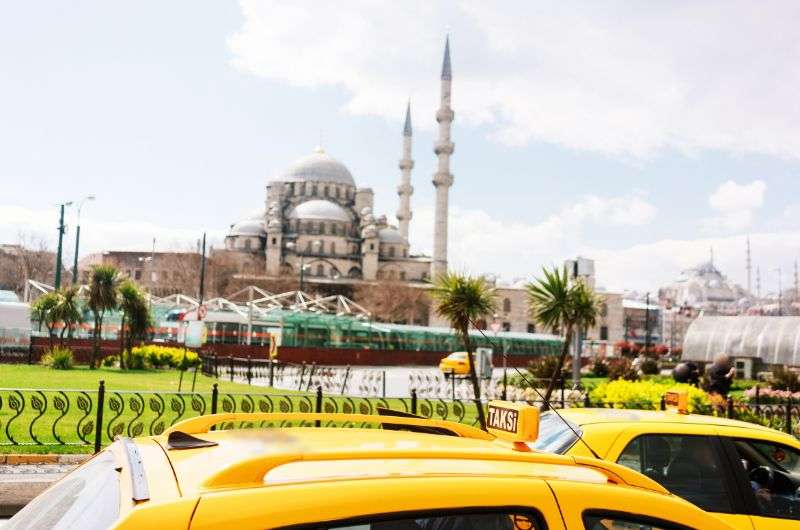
(405, 189)
(749, 269)
(442, 179)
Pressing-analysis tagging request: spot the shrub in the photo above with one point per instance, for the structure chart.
(646, 395)
(649, 367)
(622, 369)
(543, 367)
(784, 379)
(600, 368)
(109, 361)
(155, 356)
(58, 358)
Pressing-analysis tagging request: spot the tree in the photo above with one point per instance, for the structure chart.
(103, 293)
(394, 302)
(68, 311)
(42, 310)
(461, 299)
(559, 304)
(135, 314)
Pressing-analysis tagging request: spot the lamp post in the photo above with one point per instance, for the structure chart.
(315, 246)
(78, 237)
(61, 230)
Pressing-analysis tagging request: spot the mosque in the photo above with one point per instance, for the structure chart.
(317, 218)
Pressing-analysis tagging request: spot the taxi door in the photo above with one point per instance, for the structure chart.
(687, 460)
(777, 509)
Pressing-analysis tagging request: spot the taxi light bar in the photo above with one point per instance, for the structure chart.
(202, 424)
(516, 422)
(677, 400)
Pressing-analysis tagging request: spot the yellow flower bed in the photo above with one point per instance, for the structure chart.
(646, 394)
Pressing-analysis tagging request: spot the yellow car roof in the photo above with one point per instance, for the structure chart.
(588, 416)
(257, 457)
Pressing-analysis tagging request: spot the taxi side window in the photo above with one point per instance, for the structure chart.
(688, 466)
(772, 471)
(484, 520)
(618, 521)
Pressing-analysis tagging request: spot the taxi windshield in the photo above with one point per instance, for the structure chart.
(554, 434)
(87, 498)
(458, 355)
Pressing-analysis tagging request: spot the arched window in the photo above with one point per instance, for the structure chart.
(391, 252)
(322, 228)
(320, 270)
(326, 191)
(506, 305)
(313, 190)
(354, 273)
(333, 247)
(336, 192)
(247, 244)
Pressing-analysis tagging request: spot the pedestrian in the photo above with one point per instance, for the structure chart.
(720, 375)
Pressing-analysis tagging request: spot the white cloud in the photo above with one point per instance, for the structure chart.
(613, 77)
(96, 235)
(479, 242)
(735, 205)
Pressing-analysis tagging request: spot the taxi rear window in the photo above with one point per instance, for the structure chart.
(554, 434)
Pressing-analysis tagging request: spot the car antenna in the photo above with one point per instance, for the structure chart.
(545, 401)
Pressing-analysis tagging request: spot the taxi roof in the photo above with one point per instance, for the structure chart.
(588, 416)
(254, 457)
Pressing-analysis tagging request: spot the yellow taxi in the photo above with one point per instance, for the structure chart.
(457, 363)
(747, 474)
(327, 471)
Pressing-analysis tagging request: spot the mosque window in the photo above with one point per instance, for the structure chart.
(274, 240)
(320, 270)
(301, 189)
(313, 190)
(336, 192)
(326, 191)
(247, 244)
(405, 252)
(322, 228)
(333, 247)
(506, 305)
(531, 328)
(402, 275)
(391, 252)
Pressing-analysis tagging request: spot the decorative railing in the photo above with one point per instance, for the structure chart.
(47, 417)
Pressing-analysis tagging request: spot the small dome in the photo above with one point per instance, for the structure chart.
(319, 167)
(319, 209)
(391, 235)
(248, 227)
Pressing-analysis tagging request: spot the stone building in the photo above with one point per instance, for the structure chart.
(317, 218)
(158, 273)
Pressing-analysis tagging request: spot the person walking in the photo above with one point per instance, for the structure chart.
(720, 375)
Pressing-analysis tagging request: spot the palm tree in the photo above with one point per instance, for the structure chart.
(135, 314)
(68, 311)
(559, 304)
(462, 299)
(42, 310)
(103, 292)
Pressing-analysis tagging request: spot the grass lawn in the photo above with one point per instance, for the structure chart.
(54, 411)
(82, 378)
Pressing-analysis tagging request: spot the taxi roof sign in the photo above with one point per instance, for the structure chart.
(517, 422)
(677, 400)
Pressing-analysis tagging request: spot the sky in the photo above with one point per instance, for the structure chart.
(638, 134)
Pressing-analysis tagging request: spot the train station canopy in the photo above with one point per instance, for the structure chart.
(772, 339)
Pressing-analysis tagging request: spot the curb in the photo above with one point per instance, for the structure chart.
(31, 459)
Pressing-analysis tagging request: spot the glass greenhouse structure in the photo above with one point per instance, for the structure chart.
(770, 339)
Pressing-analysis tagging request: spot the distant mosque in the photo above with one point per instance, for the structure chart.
(317, 218)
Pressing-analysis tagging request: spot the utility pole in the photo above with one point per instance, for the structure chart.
(647, 323)
(78, 238)
(202, 271)
(61, 230)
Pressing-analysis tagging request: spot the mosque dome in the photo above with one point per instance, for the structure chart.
(319, 167)
(319, 210)
(249, 227)
(390, 235)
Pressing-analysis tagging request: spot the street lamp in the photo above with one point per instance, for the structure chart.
(78, 237)
(57, 283)
(315, 246)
